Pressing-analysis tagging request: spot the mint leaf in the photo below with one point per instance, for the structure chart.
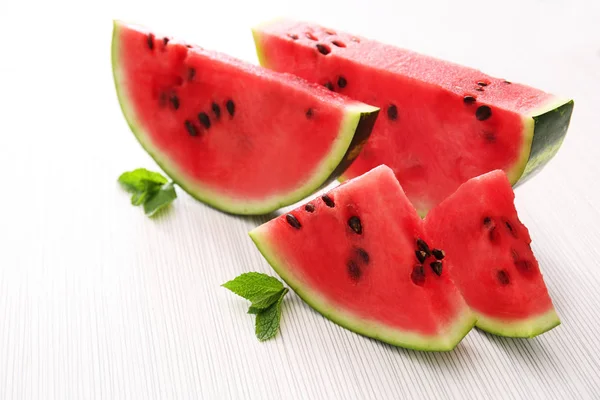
(160, 199)
(139, 180)
(150, 189)
(138, 198)
(267, 321)
(256, 287)
(259, 306)
(266, 294)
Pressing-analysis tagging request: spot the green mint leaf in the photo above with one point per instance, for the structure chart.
(266, 294)
(257, 287)
(138, 198)
(139, 180)
(259, 306)
(254, 310)
(150, 189)
(267, 321)
(160, 199)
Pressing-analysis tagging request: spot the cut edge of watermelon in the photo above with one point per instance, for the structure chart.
(343, 150)
(550, 125)
(526, 328)
(369, 328)
(544, 130)
(257, 36)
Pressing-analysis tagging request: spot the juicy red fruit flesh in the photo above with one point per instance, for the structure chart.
(202, 110)
(443, 124)
(494, 265)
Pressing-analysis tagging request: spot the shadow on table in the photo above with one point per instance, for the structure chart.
(528, 352)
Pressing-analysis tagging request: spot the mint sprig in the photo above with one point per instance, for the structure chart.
(266, 295)
(150, 189)
(267, 321)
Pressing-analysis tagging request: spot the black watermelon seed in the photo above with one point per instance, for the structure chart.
(150, 41)
(342, 82)
(191, 128)
(524, 265)
(482, 83)
(309, 207)
(230, 105)
(418, 275)
(323, 49)
(328, 201)
(294, 223)
(329, 85)
(362, 253)
(423, 247)
(165, 41)
(436, 266)
(189, 46)
(507, 82)
(191, 74)
(293, 36)
(216, 110)
(355, 224)
(515, 255)
(479, 89)
(174, 101)
(353, 270)
(509, 227)
(438, 254)
(469, 99)
(309, 113)
(483, 113)
(487, 221)
(421, 255)
(310, 36)
(337, 43)
(502, 277)
(493, 234)
(204, 119)
(392, 112)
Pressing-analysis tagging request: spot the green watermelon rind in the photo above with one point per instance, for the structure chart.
(462, 326)
(525, 328)
(544, 131)
(355, 128)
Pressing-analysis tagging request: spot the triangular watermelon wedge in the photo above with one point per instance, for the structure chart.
(360, 256)
(239, 137)
(493, 263)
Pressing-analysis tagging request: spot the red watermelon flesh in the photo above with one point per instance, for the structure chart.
(240, 137)
(440, 123)
(493, 263)
(352, 254)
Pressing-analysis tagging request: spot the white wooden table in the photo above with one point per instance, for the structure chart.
(99, 302)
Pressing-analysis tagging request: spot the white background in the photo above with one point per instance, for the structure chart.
(99, 302)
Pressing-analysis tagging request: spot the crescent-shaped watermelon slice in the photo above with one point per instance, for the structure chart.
(239, 137)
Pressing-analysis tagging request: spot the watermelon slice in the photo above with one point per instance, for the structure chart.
(359, 256)
(239, 137)
(441, 123)
(492, 261)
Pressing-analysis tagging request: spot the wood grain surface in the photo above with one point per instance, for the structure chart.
(99, 302)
